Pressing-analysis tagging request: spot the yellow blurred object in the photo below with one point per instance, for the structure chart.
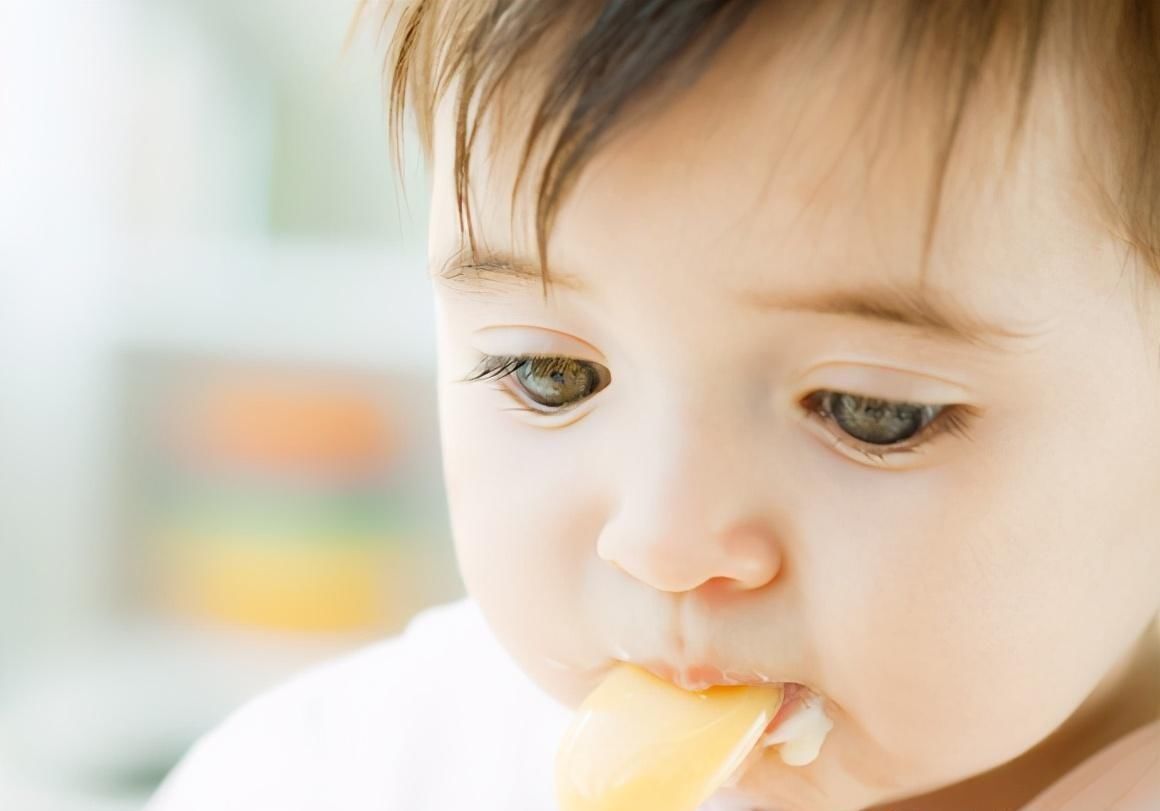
(324, 586)
(639, 743)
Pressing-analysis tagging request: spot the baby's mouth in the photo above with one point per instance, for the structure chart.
(797, 730)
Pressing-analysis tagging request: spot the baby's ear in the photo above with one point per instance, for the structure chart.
(1124, 776)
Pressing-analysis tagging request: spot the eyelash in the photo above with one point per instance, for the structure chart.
(497, 367)
(955, 420)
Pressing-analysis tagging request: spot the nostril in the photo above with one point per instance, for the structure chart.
(680, 559)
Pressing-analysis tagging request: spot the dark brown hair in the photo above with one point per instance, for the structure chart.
(597, 62)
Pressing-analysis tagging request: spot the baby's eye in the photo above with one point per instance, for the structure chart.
(881, 427)
(554, 383)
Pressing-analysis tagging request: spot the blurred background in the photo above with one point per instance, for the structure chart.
(218, 450)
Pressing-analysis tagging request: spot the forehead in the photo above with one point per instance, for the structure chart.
(804, 171)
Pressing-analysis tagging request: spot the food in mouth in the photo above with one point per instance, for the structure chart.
(640, 743)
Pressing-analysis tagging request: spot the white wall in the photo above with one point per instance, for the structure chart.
(175, 174)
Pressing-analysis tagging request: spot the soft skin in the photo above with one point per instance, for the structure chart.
(963, 609)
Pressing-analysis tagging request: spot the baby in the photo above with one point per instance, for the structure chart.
(811, 344)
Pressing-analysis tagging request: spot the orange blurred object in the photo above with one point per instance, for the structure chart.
(285, 421)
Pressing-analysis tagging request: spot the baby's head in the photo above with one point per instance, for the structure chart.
(808, 342)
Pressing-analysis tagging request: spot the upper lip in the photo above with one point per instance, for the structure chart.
(704, 676)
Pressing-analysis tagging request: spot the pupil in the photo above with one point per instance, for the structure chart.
(556, 381)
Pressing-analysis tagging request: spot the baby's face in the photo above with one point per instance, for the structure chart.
(686, 487)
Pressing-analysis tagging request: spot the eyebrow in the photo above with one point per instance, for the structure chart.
(935, 315)
(499, 273)
(883, 303)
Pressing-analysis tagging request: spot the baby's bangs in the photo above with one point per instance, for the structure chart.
(574, 73)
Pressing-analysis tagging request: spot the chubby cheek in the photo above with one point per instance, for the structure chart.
(903, 628)
(926, 685)
(523, 517)
(975, 627)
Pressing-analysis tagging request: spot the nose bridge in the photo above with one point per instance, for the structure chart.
(688, 465)
(687, 502)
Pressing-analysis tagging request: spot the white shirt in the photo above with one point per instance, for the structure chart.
(436, 719)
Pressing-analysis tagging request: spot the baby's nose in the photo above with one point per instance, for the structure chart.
(690, 512)
(693, 498)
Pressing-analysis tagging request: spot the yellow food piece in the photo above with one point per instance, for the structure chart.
(639, 743)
